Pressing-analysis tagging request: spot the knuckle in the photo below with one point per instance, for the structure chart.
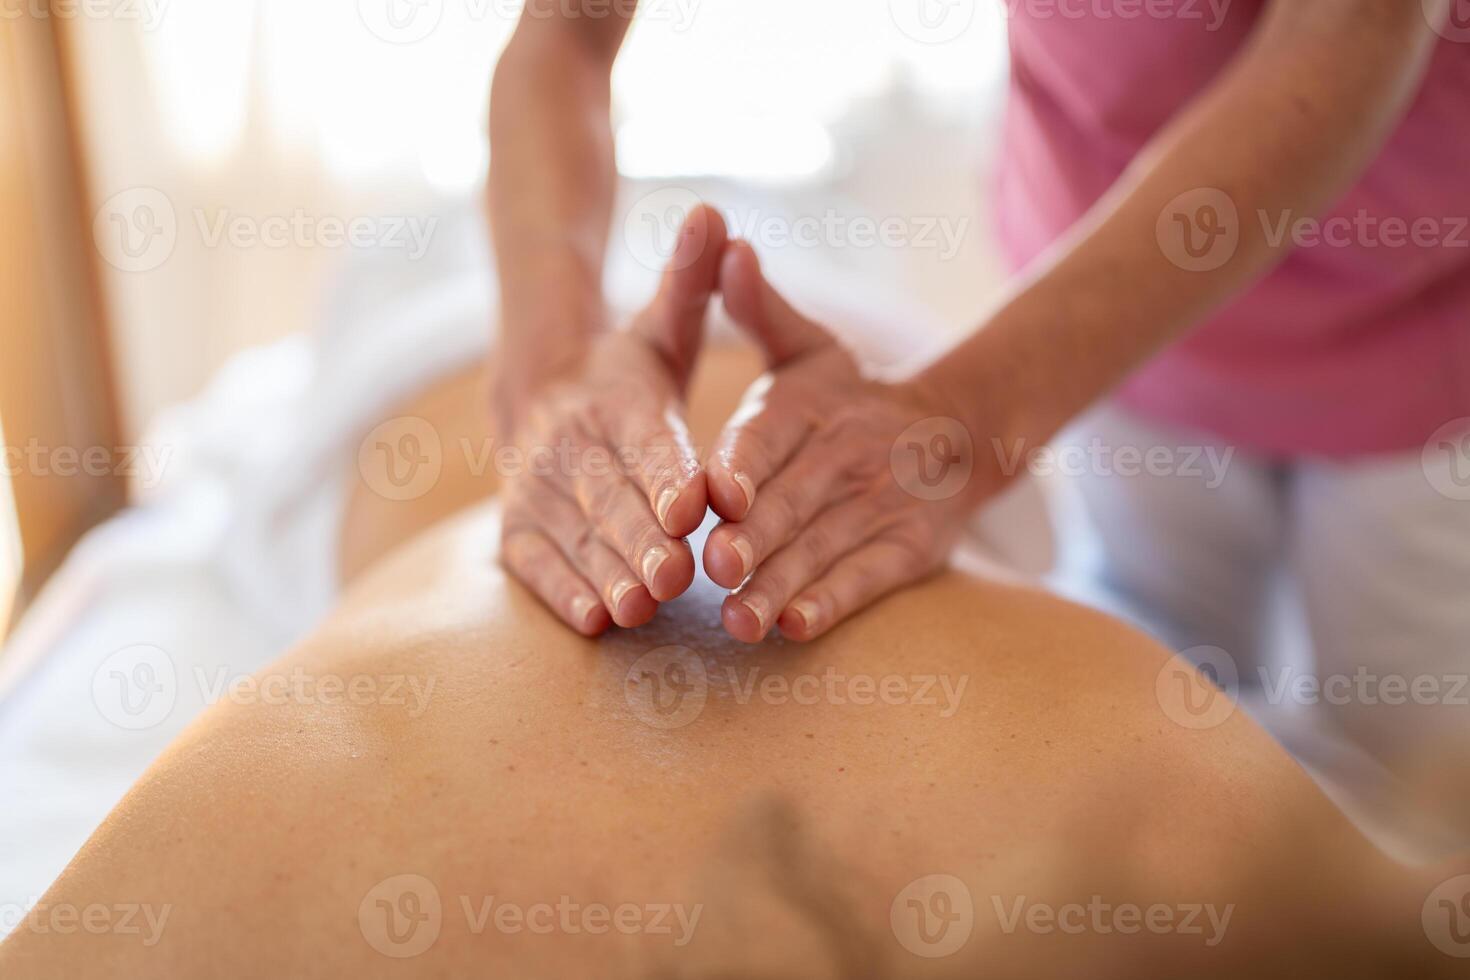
(514, 548)
(782, 510)
(651, 536)
(657, 454)
(816, 545)
(754, 445)
(848, 426)
(915, 545)
(583, 543)
(599, 500)
(774, 584)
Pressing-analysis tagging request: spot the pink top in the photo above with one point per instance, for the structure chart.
(1360, 342)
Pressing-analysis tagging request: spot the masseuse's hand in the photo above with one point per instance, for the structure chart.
(594, 520)
(817, 524)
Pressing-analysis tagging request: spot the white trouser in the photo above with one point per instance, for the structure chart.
(1340, 590)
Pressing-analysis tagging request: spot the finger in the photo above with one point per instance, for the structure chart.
(626, 599)
(834, 534)
(756, 443)
(853, 584)
(622, 518)
(668, 469)
(665, 466)
(788, 502)
(782, 333)
(674, 322)
(535, 561)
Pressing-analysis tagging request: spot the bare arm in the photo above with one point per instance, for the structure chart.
(1288, 127)
(607, 483)
(551, 183)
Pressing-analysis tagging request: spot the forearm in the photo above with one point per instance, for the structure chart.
(1285, 130)
(550, 195)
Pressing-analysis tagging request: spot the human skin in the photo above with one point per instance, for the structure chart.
(1285, 129)
(1045, 765)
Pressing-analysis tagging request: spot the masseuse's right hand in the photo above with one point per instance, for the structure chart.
(608, 483)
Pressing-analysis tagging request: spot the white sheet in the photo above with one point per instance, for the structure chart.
(231, 557)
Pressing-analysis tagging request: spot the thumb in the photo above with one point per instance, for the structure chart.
(782, 333)
(674, 321)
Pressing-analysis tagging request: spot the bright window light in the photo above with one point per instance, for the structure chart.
(737, 88)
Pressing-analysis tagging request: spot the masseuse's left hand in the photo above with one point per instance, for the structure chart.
(820, 521)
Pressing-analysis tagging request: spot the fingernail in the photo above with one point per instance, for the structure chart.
(807, 611)
(757, 605)
(652, 562)
(620, 590)
(582, 607)
(747, 487)
(665, 501)
(747, 556)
